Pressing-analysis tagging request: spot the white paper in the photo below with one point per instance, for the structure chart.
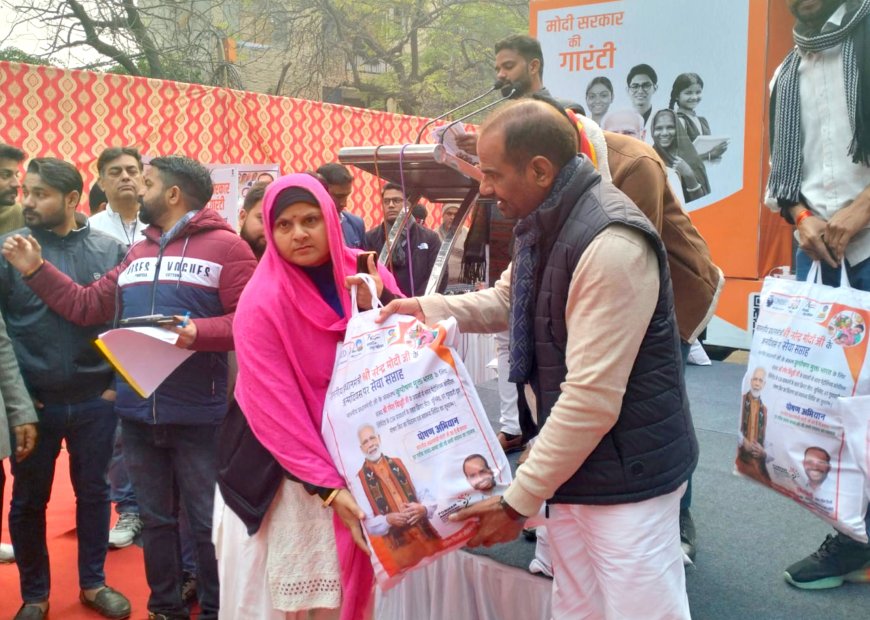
(449, 140)
(705, 144)
(144, 356)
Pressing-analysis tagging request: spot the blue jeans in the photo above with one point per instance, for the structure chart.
(122, 491)
(171, 464)
(88, 429)
(859, 278)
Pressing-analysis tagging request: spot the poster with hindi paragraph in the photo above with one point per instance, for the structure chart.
(803, 414)
(407, 431)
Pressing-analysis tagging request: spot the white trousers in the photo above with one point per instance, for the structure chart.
(621, 562)
(509, 415)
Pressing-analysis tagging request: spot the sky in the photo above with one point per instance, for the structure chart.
(33, 40)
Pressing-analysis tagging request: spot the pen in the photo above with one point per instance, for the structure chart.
(186, 319)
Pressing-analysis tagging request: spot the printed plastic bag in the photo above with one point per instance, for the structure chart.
(407, 431)
(802, 431)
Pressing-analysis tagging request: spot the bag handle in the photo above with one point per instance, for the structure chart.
(370, 283)
(814, 275)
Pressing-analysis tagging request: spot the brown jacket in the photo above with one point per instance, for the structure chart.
(640, 174)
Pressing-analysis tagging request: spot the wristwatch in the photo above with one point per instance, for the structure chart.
(509, 510)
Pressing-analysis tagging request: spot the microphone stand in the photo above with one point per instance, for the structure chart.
(505, 97)
(495, 87)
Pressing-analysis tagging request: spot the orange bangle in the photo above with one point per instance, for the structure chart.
(802, 216)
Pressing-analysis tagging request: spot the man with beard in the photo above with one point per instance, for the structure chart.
(820, 181)
(753, 423)
(339, 184)
(398, 522)
(11, 217)
(251, 219)
(414, 251)
(120, 170)
(191, 262)
(70, 383)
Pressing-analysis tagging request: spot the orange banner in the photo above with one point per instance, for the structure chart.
(74, 115)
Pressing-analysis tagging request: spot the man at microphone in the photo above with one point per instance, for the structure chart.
(519, 67)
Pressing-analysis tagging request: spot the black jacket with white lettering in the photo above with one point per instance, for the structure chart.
(57, 358)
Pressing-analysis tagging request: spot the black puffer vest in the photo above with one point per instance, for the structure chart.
(652, 449)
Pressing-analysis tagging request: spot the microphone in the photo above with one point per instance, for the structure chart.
(499, 85)
(507, 91)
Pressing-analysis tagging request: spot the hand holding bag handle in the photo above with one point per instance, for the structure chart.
(814, 275)
(370, 284)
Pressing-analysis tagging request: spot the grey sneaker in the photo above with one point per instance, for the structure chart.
(125, 531)
(838, 560)
(7, 555)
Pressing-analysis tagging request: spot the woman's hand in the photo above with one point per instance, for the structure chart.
(363, 296)
(351, 515)
(684, 170)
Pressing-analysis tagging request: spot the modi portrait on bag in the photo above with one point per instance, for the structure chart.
(398, 520)
(751, 454)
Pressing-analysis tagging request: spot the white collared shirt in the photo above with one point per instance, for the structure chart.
(830, 181)
(111, 223)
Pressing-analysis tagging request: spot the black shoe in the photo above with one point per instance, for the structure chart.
(838, 560)
(108, 603)
(687, 533)
(31, 612)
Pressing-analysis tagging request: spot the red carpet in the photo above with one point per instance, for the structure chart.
(125, 570)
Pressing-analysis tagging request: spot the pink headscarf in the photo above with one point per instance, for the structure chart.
(286, 336)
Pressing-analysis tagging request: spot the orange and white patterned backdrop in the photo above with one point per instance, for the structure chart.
(74, 115)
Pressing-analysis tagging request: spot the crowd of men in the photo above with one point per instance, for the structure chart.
(599, 394)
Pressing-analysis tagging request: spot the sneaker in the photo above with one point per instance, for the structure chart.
(838, 560)
(188, 588)
(7, 555)
(125, 531)
(687, 536)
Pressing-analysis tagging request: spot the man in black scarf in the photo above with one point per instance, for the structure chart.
(820, 181)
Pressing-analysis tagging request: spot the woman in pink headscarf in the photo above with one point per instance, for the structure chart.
(287, 531)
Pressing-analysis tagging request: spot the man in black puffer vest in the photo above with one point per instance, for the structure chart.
(589, 306)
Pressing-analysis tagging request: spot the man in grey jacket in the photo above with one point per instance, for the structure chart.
(17, 417)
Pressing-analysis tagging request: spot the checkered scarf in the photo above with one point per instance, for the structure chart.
(786, 150)
(524, 268)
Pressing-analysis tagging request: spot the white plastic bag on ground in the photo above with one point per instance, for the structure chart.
(407, 431)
